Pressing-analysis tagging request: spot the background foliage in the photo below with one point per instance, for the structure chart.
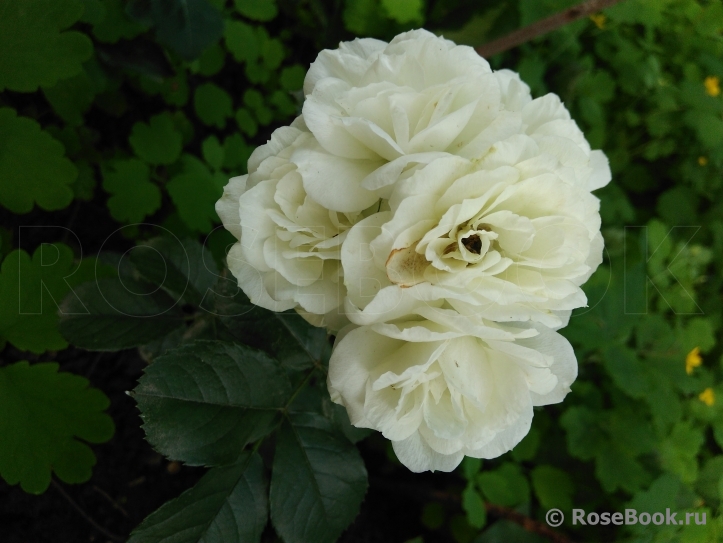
(120, 123)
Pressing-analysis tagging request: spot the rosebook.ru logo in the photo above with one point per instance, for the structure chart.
(555, 517)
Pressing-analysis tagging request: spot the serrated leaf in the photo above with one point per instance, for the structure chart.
(110, 315)
(31, 290)
(43, 416)
(318, 481)
(157, 142)
(258, 10)
(202, 403)
(133, 195)
(212, 105)
(194, 192)
(229, 500)
(187, 26)
(615, 468)
(286, 336)
(36, 51)
(183, 268)
(33, 168)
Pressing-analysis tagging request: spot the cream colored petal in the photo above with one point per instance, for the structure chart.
(418, 456)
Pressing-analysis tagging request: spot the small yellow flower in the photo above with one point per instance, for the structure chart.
(712, 85)
(707, 397)
(693, 360)
(702, 160)
(599, 20)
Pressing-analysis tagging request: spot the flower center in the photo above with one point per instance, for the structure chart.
(473, 243)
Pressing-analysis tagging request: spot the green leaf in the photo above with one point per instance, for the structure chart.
(30, 291)
(72, 97)
(286, 336)
(157, 142)
(272, 53)
(254, 100)
(33, 169)
(474, 506)
(112, 24)
(404, 11)
(527, 448)
(185, 269)
(708, 483)
(202, 403)
(246, 122)
(616, 468)
(678, 451)
(292, 77)
(212, 104)
(242, 41)
(470, 467)
(43, 416)
(257, 10)
(212, 151)
(187, 26)
(133, 195)
(318, 481)
(228, 504)
(36, 51)
(553, 487)
(505, 486)
(211, 60)
(110, 315)
(236, 153)
(194, 192)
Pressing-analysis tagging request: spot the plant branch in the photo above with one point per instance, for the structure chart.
(86, 516)
(529, 524)
(538, 28)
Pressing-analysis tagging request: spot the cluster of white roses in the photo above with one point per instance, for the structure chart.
(440, 222)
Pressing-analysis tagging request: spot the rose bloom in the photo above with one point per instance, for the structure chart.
(288, 254)
(389, 107)
(447, 386)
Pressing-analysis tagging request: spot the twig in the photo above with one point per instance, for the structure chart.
(529, 524)
(114, 503)
(109, 535)
(538, 28)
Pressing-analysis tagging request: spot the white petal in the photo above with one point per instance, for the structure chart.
(418, 456)
(228, 207)
(335, 182)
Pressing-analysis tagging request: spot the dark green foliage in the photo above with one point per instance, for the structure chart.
(203, 402)
(228, 504)
(46, 414)
(146, 108)
(318, 481)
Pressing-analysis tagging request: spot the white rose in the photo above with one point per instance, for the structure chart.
(386, 108)
(288, 254)
(511, 236)
(449, 387)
